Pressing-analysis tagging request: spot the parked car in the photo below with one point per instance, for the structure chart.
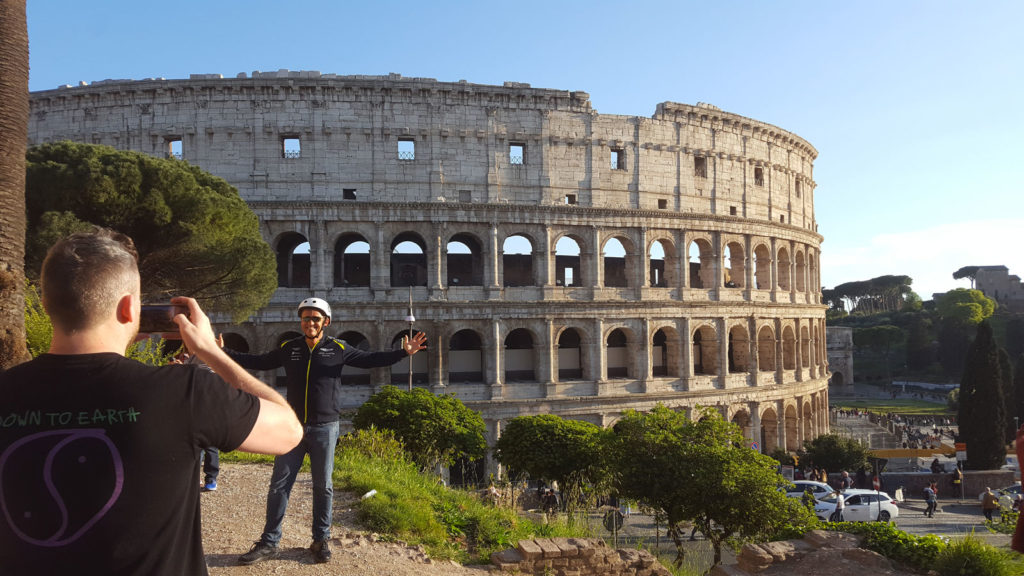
(859, 506)
(817, 489)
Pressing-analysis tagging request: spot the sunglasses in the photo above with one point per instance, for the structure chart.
(312, 319)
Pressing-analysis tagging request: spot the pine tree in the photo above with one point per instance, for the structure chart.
(982, 415)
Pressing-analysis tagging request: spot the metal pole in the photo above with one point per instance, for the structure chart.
(410, 319)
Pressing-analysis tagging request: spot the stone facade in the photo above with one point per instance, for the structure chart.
(562, 261)
(839, 349)
(1006, 289)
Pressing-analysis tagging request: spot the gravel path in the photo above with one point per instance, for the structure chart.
(233, 519)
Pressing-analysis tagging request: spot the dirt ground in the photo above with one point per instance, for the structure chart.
(233, 519)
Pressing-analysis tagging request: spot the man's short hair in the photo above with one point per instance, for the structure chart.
(85, 274)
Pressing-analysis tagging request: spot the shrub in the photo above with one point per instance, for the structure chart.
(374, 442)
(971, 556)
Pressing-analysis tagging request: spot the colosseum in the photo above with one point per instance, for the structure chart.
(560, 260)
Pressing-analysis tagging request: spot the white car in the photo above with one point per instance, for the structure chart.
(817, 489)
(860, 506)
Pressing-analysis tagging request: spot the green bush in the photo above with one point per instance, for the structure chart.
(374, 442)
(417, 508)
(38, 330)
(969, 556)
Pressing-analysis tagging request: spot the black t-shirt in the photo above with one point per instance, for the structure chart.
(99, 459)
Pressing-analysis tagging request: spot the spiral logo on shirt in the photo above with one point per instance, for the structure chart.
(49, 480)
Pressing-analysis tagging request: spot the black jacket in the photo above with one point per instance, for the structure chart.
(314, 379)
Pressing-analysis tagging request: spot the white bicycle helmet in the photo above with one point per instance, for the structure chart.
(316, 304)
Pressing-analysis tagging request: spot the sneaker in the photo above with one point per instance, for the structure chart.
(259, 552)
(210, 486)
(321, 551)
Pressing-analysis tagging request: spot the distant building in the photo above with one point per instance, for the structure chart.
(839, 348)
(997, 283)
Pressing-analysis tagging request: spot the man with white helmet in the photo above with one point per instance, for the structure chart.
(312, 364)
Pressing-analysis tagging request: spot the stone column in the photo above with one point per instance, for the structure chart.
(595, 279)
(642, 278)
(598, 361)
(317, 275)
(380, 266)
(436, 264)
(799, 372)
(493, 432)
(496, 361)
(492, 267)
(755, 425)
(780, 408)
(438, 349)
(722, 327)
(686, 348)
(642, 350)
(550, 375)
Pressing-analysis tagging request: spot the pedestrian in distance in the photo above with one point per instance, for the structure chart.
(989, 503)
(99, 472)
(312, 364)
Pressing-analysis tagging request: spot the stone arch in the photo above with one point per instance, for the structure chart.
(808, 421)
(465, 357)
(665, 352)
(352, 260)
(570, 355)
(739, 349)
(801, 272)
(734, 265)
(236, 341)
(792, 439)
(766, 349)
(742, 418)
(620, 362)
(568, 261)
(408, 260)
(400, 369)
(354, 375)
(788, 349)
(769, 430)
(705, 350)
(762, 267)
(517, 260)
(520, 356)
(293, 263)
(812, 275)
(618, 269)
(701, 272)
(783, 266)
(662, 263)
(465, 260)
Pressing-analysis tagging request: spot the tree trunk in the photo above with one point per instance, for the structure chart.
(675, 531)
(13, 140)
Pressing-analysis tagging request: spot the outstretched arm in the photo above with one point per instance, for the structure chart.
(277, 430)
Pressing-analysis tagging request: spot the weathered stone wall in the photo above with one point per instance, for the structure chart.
(730, 315)
(839, 346)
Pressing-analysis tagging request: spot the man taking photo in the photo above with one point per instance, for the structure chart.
(99, 453)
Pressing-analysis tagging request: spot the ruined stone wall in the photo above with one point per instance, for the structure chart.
(839, 345)
(730, 315)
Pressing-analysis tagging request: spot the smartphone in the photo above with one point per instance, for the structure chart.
(158, 318)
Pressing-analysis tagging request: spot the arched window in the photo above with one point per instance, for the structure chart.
(517, 261)
(570, 357)
(784, 272)
(614, 256)
(351, 261)
(705, 351)
(568, 271)
(465, 261)
(293, 267)
(766, 349)
(701, 264)
(520, 357)
(617, 354)
(739, 350)
(762, 267)
(465, 358)
(735, 265)
(408, 261)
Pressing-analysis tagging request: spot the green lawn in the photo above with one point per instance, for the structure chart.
(906, 406)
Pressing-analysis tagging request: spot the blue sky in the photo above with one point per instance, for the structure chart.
(916, 108)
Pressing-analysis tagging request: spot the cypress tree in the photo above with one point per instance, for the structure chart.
(982, 415)
(1009, 394)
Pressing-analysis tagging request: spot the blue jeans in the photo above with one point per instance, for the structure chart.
(211, 464)
(319, 441)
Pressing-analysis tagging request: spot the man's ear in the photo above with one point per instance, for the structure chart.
(128, 309)
(327, 321)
